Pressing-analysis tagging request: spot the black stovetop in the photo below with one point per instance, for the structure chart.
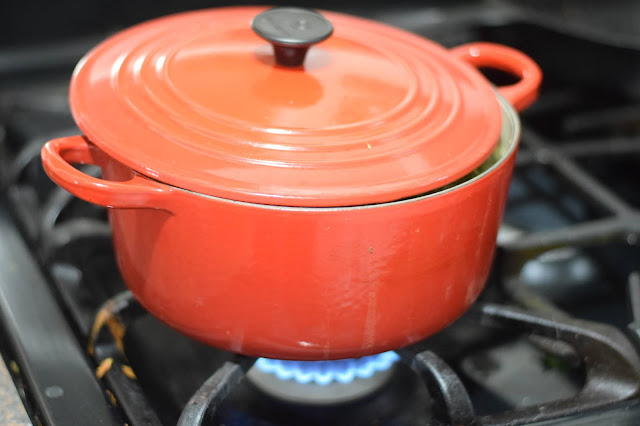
(553, 339)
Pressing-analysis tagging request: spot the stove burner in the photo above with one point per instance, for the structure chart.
(322, 382)
(325, 372)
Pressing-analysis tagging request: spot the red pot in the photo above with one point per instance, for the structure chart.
(298, 208)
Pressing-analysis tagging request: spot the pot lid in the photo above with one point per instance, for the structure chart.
(200, 101)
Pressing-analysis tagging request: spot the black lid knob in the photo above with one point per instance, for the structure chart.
(291, 31)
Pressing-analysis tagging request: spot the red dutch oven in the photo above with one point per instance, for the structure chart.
(295, 186)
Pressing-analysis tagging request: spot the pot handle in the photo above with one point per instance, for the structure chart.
(520, 94)
(137, 192)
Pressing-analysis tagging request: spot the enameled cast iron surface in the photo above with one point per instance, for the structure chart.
(296, 282)
(374, 114)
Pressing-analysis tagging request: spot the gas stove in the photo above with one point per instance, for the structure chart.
(553, 339)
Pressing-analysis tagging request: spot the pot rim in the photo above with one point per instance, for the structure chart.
(509, 135)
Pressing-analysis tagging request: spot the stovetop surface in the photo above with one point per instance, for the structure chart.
(553, 338)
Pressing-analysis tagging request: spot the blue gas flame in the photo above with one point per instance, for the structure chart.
(325, 372)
